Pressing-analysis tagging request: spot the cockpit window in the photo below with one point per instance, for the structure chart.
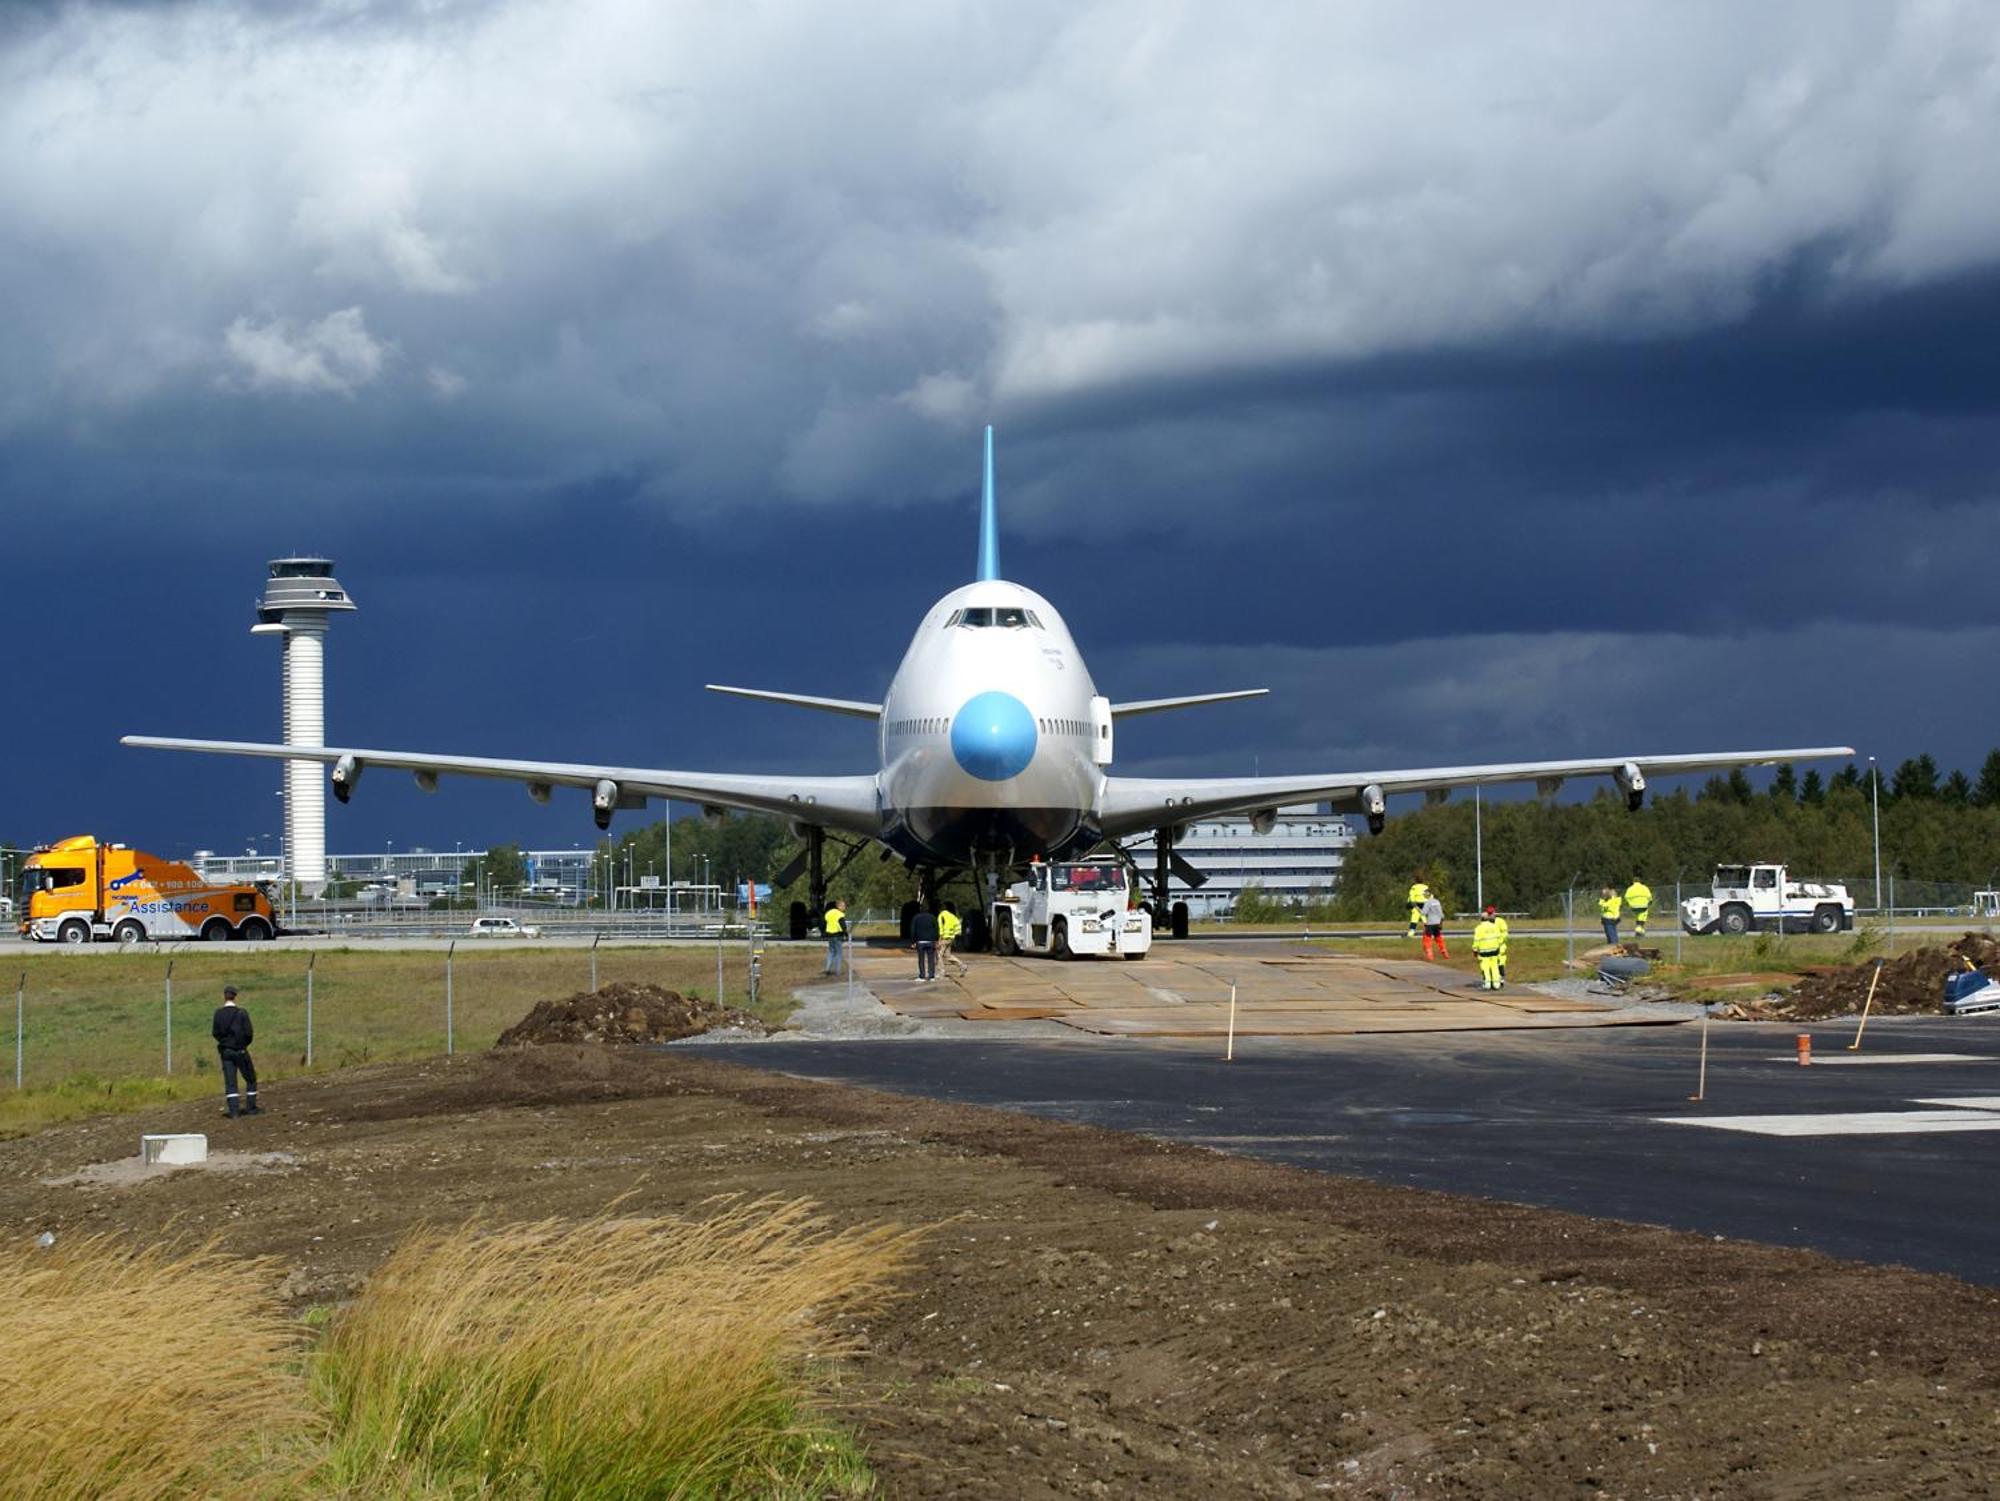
(981, 616)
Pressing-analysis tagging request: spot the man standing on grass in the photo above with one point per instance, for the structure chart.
(233, 1035)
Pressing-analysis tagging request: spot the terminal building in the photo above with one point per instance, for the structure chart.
(1298, 861)
(563, 876)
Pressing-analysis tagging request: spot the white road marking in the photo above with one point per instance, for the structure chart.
(1968, 1113)
(1832, 1060)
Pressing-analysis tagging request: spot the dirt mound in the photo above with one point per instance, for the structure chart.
(622, 1014)
(1912, 985)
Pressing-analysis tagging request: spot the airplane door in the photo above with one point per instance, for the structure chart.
(1100, 730)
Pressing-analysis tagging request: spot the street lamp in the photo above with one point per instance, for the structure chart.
(1875, 801)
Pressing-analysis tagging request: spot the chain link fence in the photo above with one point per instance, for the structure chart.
(106, 1014)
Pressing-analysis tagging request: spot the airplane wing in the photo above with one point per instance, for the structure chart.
(854, 707)
(1132, 804)
(1156, 705)
(847, 803)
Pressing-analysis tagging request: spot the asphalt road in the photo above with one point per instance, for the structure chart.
(1561, 1119)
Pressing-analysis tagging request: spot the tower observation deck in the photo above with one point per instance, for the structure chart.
(300, 595)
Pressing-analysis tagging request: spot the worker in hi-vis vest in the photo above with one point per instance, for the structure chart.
(1607, 908)
(1638, 902)
(1501, 923)
(1420, 893)
(834, 924)
(1486, 948)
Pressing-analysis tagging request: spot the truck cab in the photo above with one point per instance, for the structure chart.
(1072, 909)
(79, 891)
(1766, 898)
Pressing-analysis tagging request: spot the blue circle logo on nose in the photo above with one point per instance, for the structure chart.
(993, 737)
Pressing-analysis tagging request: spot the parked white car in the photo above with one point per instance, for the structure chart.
(502, 927)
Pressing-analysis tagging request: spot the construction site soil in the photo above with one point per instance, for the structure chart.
(626, 1014)
(1100, 1314)
(1912, 984)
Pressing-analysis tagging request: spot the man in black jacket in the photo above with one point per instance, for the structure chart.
(923, 929)
(233, 1034)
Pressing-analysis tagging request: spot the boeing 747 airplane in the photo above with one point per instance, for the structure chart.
(994, 747)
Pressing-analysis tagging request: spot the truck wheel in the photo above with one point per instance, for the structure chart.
(796, 920)
(1735, 918)
(1826, 920)
(73, 932)
(254, 930)
(1059, 939)
(904, 919)
(129, 932)
(1004, 942)
(1133, 958)
(215, 930)
(1179, 920)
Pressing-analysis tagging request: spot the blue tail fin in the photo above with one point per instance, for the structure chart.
(989, 521)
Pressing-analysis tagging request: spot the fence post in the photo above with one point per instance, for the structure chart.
(1569, 927)
(170, 1016)
(1892, 912)
(311, 960)
(20, 994)
(594, 942)
(450, 949)
(718, 964)
(1680, 926)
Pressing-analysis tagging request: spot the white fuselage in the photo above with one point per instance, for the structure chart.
(988, 738)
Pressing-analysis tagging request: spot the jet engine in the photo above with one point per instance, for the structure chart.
(1632, 782)
(346, 772)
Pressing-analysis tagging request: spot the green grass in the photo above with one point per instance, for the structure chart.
(95, 1033)
(1537, 957)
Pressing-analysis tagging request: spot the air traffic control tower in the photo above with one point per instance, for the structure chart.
(299, 596)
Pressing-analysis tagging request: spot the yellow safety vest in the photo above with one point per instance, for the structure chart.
(1607, 906)
(1486, 938)
(1638, 896)
(1500, 923)
(836, 922)
(1419, 894)
(949, 926)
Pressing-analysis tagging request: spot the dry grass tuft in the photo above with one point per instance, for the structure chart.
(613, 1358)
(129, 1374)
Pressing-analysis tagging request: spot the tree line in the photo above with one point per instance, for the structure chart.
(1935, 828)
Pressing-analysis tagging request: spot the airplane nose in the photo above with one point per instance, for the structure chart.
(993, 737)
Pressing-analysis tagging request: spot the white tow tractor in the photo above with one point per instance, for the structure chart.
(1768, 899)
(1072, 909)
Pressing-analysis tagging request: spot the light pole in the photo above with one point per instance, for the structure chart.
(1478, 855)
(1875, 801)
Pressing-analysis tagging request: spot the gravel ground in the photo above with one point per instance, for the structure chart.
(1098, 1314)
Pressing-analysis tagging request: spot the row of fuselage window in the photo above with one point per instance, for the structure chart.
(939, 726)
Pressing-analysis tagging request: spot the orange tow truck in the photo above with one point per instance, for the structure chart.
(78, 891)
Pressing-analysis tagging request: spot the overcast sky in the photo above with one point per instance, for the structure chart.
(1490, 382)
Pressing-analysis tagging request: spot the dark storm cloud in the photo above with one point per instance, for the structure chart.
(1453, 371)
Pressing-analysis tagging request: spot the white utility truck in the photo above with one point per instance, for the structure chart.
(1768, 899)
(1072, 909)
